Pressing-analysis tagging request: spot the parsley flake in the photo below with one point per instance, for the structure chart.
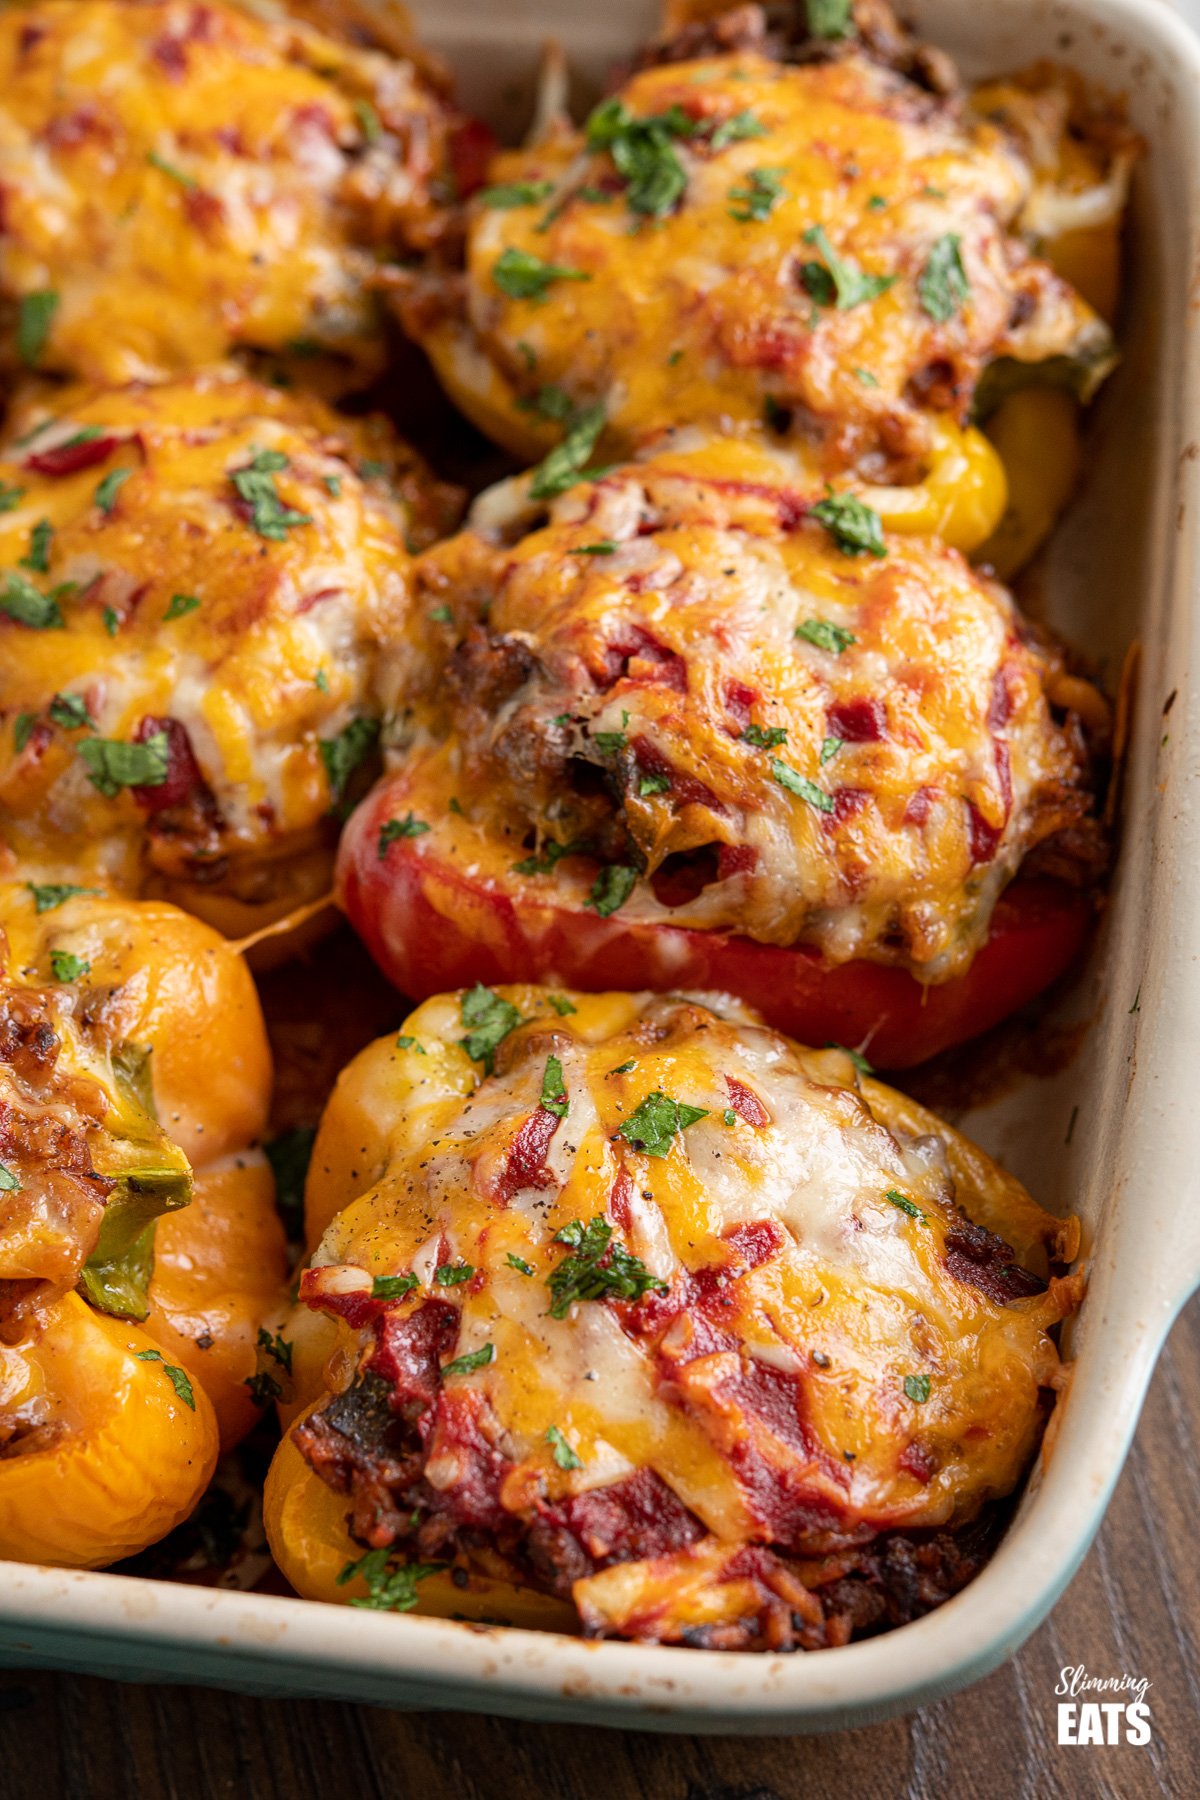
(475, 1359)
(48, 895)
(176, 1376)
(561, 1005)
(70, 711)
(826, 636)
(368, 121)
(756, 200)
(408, 827)
(564, 1456)
(255, 486)
(38, 558)
(829, 749)
(795, 783)
(855, 528)
(656, 1122)
(554, 1093)
(643, 152)
(179, 605)
(611, 889)
(66, 967)
(405, 1042)
(453, 1274)
(606, 547)
(523, 276)
(10, 496)
(27, 605)
(9, 1183)
(34, 319)
(565, 464)
(393, 1287)
(113, 764)
(391, 1587)
(764, 737)
(518, 1263)
(830, 18)
(507, 194)
(169, 169)
(836, 281)
(597, 1269)
(905, 1205)
(917, 1388)
(653, 784)
(342, 754)
(108, 489)
(856, 1057)
(488, 1019)
(943, 285)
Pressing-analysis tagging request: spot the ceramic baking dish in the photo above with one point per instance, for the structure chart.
(1113, 1134)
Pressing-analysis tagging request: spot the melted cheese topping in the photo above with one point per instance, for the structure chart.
(187, 180)
(853, 751)
(806, 1251)
(253, 649)
(723, 304)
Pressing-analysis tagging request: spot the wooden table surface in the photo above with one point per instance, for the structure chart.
(1134, 1607)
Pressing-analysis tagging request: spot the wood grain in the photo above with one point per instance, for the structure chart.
(1135, 1606)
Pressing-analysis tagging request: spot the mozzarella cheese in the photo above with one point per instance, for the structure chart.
(182, 180)
(829, 243)
(683, 672)
(212, 560)
(804, 1358)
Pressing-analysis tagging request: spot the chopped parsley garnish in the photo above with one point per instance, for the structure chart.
(169, 169)
(474, 1359)
(854, 527)
(561, 1005)
(518, 1263)
(523, 276)
(488, 1020)
(611, 889)
(391, 1587)
(333, 486)
(110, 486)
(835, 281)
(829, 749)
(766, 737)
(277, 1347)
(625, 1067)
(38, 558)
(179, 605)
(653, 1127)
(408, 827)
(550, 857)
(943, 285)
(28, 605)
(405, 1042)
(826, 636)
(452, 1274)
(830, 18)
(565, 464)
(643, 152)
(9, 1183)
(10, 496)
(34, 319)
(368, 121)
(66, 967)
(441, 615)
(735, 130)
(70, 711)
(289, 1155)
(372, 469)
(48, 895)
(176, 1376)
(754, 201)
(564, 1456)
(507, 194)
(866, 377)
(905, 1205)
(23, 729)
(729, 1116)
(597, 1269)
(856, 1057)
(551, 401)
(255, 485)
(113, 764)
(554, 1093)
(342, 754)
(393, 1287)
(795, 783)
(606, 547)
(876, 203)
(917, 1388)
(653, 784)
(263, 1387)
(321, 681)
(112, 622)
(610, 743)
